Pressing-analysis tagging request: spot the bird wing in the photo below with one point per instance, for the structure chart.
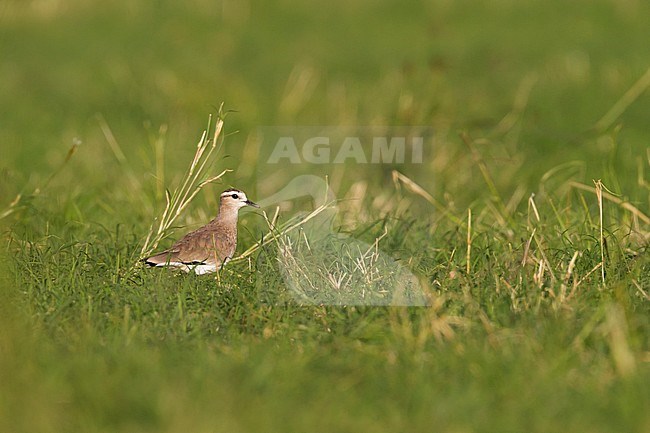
(203, 246)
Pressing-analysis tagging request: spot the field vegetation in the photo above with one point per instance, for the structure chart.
(527, 226)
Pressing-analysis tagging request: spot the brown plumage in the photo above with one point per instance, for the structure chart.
(208, 248)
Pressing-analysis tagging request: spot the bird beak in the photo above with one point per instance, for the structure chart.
(250, 203)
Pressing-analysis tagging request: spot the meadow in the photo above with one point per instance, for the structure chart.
(527, 224)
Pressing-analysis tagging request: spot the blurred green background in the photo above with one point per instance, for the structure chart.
(87, 345)
(450, 65)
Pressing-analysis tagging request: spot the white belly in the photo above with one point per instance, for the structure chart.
(197, 269)
(203, 269)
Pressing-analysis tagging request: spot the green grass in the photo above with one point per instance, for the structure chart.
(522, 333)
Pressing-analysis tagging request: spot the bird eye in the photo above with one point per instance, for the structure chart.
(235, 196)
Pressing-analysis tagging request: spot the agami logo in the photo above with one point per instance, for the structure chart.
(327, 150)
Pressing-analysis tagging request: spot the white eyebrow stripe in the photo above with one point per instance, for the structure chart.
(242, 196)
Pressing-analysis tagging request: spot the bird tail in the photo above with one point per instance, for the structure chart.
(159, 259)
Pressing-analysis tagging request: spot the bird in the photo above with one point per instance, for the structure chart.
(209, 248)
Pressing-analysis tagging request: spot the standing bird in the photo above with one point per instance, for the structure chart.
(207, 249)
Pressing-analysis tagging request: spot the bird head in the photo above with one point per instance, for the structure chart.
(234, 198)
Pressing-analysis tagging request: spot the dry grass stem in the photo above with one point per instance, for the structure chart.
(16, 203)
(193, 182)
(399, 178)
(599, 195)
(469, 241)
(275, 232)
(611, 197)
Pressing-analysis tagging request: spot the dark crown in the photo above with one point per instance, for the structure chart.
(230, 191)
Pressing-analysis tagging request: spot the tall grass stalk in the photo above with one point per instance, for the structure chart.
(599, 195)
(196, 177)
